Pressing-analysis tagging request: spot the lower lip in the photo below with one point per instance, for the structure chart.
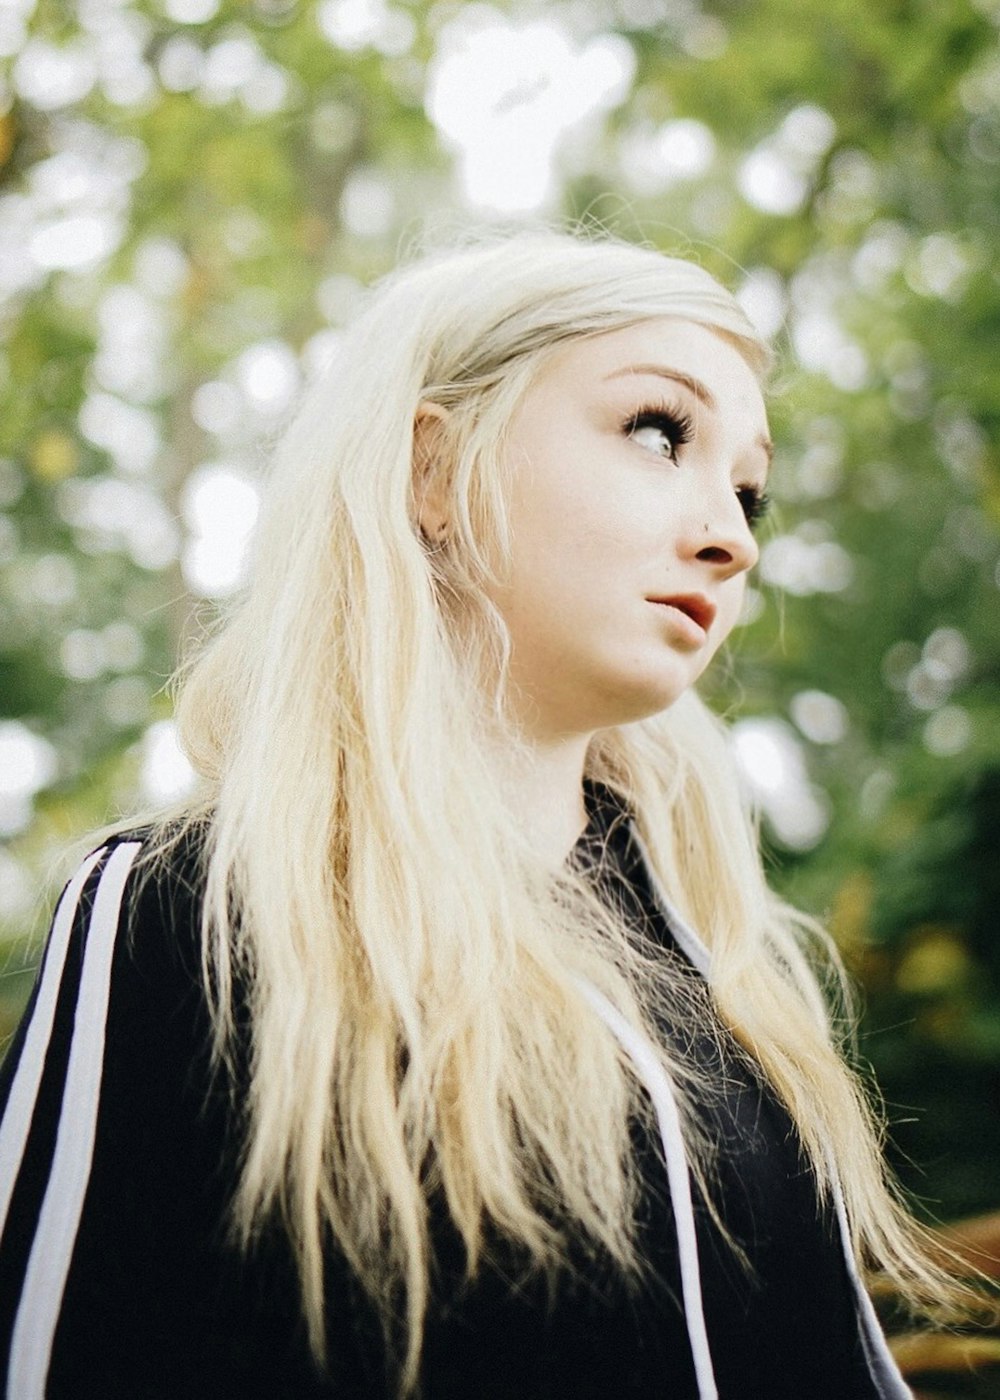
(684, 626)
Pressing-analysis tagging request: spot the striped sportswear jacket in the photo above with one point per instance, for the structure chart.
(119, 1152)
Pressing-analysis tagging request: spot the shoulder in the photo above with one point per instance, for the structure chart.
(137, 892)
(108, 1100)
(156, 868)
(123, 951)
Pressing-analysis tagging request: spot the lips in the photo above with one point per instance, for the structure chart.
(696, 606)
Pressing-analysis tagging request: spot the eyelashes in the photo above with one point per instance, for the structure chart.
(754, 502)
(676, 427)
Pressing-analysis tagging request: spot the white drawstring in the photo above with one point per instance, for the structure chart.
(881, 1362)
(657, 1085)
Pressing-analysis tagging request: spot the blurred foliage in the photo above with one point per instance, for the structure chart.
(250, 164)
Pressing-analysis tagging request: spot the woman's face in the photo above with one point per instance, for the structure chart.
(638, 461)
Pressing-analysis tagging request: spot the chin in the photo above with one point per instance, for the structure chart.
(635, 704)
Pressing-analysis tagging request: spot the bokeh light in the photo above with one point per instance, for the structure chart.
(771, 760)
(505, 94)
(220, 507)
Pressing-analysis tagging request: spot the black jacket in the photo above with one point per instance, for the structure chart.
(118, 1154)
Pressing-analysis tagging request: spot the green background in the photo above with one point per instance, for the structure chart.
(244, 218)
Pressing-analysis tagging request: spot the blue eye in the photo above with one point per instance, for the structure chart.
(672, 428)
(755, 503)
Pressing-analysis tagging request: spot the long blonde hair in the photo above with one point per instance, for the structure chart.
(411, 968)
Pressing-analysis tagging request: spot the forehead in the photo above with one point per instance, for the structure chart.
(636, 352)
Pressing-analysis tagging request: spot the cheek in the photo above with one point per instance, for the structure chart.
(564, 530)
(730, 608)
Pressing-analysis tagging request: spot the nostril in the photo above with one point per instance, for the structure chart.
(712, 554)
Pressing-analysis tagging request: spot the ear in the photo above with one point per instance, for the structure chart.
(431, 471)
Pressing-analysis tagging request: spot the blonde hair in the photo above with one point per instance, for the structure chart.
(411, 968)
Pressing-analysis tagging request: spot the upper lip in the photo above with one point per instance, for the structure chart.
(699, 608)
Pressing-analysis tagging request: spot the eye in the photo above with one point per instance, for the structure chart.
(659, 430)
(755, 503)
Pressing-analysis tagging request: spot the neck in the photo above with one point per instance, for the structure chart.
(546, 785)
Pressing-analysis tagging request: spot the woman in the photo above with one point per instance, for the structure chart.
(449, 1040)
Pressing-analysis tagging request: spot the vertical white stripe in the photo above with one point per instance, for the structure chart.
(16, 1123)
(881, 1362)
(654, 1077)
(59, 1218)
(689, 942)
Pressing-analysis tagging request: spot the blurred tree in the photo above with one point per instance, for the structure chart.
(192, 196)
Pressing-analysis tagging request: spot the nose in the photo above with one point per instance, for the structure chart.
(720, 535)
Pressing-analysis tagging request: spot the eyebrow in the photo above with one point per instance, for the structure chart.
(695, 386)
